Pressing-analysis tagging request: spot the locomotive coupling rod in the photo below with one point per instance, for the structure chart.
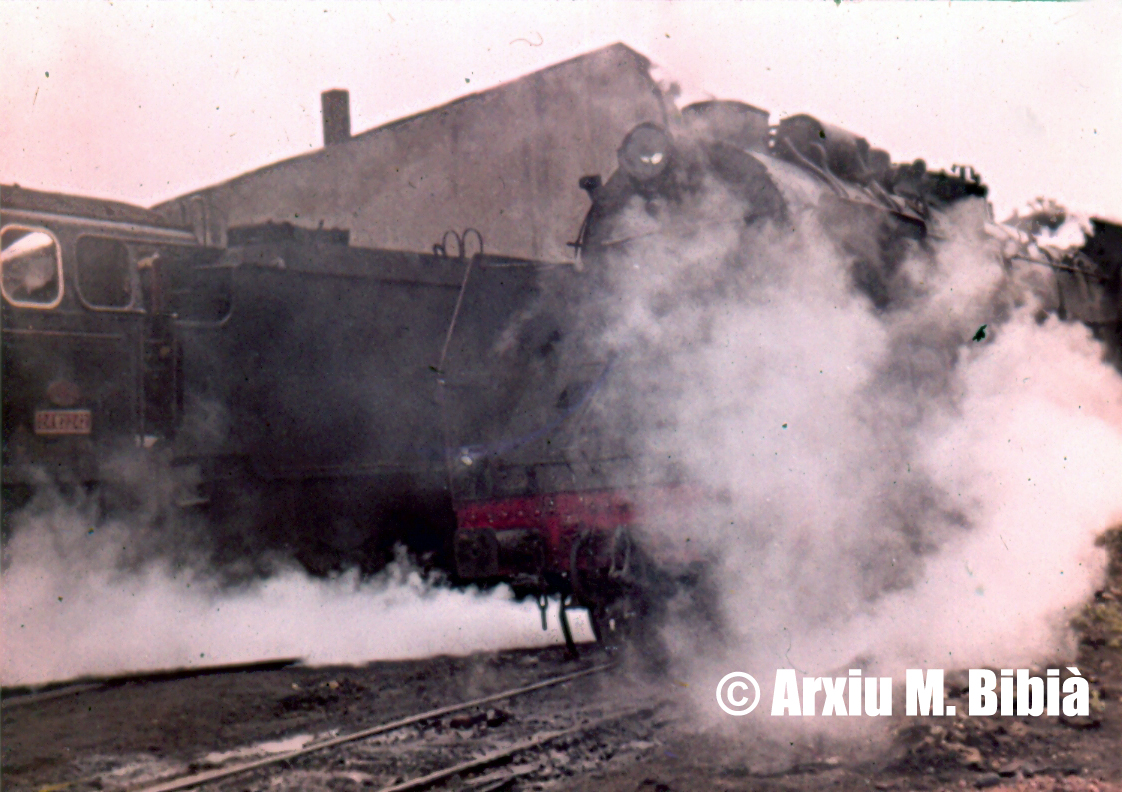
(186, 782)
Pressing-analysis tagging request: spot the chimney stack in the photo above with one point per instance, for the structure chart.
(336, 116)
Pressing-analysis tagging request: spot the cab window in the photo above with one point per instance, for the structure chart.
(30, 267)
(104, 278)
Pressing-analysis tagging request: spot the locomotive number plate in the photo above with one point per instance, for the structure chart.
(63, 422)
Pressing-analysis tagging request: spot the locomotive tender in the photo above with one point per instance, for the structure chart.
(286, 384)
(331, 402)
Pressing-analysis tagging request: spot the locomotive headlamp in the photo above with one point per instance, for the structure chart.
(645, 152)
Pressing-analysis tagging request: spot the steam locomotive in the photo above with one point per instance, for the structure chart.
(331, 402)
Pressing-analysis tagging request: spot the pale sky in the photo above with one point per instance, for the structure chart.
(145, 101)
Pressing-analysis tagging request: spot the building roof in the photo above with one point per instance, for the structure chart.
(618, 49)
(504, 161)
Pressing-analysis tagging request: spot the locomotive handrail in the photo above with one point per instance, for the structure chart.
(137, 229)
(824, 175)
(441, 247)
(460, 240)
(1065, 267)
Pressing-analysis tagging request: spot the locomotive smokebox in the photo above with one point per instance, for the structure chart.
(336, 106)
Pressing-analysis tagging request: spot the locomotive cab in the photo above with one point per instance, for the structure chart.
(89, 358)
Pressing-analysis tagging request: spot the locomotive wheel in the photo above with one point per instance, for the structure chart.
(607, 630)
(619, 607)
(620, 622)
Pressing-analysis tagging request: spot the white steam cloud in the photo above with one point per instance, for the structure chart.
(892, 491)
(72, 608)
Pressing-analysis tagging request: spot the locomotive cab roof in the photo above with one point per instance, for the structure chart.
(16, 198)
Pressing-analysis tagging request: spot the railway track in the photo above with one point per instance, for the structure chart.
(22, 695)
(541, 733)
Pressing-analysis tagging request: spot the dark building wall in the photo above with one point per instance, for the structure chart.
(505, 161)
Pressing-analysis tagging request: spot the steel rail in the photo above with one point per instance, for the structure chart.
(186, 782)
(9, 698)
(495, 756)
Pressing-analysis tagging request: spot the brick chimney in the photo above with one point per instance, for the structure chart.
(336, 116)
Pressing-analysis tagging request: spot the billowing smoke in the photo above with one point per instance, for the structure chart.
(911, 482)
(89, 594)
(914, 483)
